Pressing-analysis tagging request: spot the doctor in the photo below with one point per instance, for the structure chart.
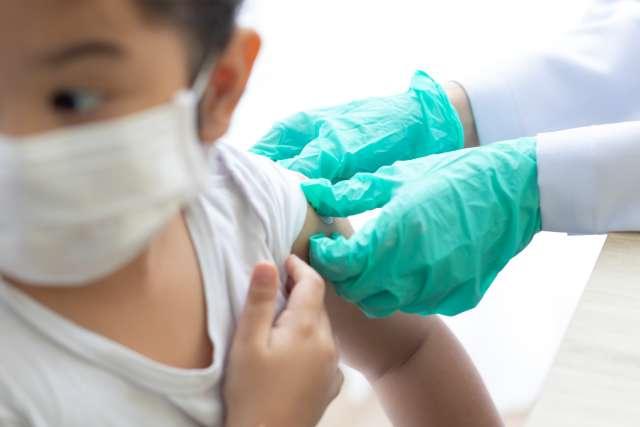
(467, 174)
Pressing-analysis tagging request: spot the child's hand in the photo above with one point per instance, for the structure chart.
(283, 374)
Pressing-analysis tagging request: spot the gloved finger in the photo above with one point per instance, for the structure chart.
(337, 258)
(363, 192)
(362, 137)
(257, 318)
(349, 266)
(320, 158)
(359, 267)
(287, 138)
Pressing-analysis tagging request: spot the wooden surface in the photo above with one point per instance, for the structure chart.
(595, 380)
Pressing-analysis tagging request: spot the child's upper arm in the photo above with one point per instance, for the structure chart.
(372, 346)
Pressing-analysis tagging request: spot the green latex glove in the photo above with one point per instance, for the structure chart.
(449, 223)
(336, 143)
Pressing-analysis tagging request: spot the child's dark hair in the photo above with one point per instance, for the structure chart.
(207, 24)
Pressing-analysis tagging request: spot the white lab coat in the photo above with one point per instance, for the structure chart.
(589, 177)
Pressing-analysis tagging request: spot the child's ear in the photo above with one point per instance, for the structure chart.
(227, 83)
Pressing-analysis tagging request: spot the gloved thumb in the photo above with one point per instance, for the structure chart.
(363, 192)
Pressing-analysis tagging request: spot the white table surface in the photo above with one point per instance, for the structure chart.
(595, 380)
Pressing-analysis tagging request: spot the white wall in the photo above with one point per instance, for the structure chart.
(324, 52)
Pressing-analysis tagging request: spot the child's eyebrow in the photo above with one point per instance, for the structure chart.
(82, 50)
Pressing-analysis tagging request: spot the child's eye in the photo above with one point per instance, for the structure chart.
(75, 101)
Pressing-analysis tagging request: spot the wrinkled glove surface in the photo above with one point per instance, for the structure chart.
(336, 143)
(449, 224)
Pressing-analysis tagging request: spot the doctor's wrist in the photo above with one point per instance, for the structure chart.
(458, 97)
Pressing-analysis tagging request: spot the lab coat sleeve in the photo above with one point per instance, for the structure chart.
(589, 176)
(588, 76)
(589, 179)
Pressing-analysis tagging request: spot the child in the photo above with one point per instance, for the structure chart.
(125, 251)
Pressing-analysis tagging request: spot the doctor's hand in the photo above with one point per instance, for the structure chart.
(284, 373)
(336, 143)
(448, 224)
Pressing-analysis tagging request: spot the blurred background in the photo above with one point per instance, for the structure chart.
(323, 52)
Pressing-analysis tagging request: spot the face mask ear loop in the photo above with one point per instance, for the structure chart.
(201, 82)
(199, 88)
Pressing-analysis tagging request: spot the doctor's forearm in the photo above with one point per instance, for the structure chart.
(458, 97)
(583, 77)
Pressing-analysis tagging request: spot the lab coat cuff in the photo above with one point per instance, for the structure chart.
(566, 182)
(588, 179)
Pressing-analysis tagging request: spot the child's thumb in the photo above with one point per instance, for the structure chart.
(257, 318)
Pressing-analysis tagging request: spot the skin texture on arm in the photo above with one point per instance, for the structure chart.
(458, 97)
(418, 369)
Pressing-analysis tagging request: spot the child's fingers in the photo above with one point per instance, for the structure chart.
(257, 318)
(309, 289)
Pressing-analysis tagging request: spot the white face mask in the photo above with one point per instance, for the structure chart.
(77, 204)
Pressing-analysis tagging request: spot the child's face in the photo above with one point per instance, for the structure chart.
(66, 62)
(71, 62)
